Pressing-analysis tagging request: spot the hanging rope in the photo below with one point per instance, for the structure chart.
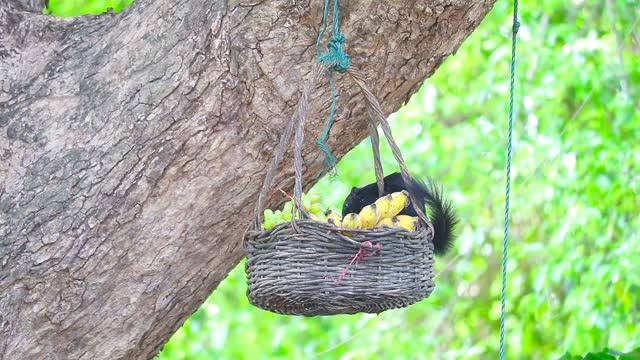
(340, 62)
(505, 245)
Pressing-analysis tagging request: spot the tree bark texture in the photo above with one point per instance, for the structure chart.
(133, 147)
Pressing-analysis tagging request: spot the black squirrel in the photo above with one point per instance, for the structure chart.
(443, 216)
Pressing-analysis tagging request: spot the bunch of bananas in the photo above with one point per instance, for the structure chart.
(310, 203)
(383, 212)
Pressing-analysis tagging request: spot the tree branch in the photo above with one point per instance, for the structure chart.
(133, 147)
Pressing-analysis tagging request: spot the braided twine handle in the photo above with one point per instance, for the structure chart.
(376, 115)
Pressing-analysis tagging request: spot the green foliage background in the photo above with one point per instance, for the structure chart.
(574, 279)
(67, 8)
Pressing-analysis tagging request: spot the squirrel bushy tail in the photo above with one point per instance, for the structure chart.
(442, 214)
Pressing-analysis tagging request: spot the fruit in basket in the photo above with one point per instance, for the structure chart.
(270, 219)
(333, 217)
(351, 221)
(399, 200)
(408, 222)
(369, 216)
(383, 212)
(386, 222)
(428, 196)
(383, 203)
(310, 204)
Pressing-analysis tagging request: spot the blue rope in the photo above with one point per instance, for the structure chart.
(505, 245)
(336, 54)
(341, 63)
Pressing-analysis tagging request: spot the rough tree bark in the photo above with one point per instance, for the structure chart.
(133, 146)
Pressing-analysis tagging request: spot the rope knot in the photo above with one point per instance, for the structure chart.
(336, 54)
(338, 38)
(338, 61)
(342, 59)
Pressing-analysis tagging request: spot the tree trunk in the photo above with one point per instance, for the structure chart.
(133, 147)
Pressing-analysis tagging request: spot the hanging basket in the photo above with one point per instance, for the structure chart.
(306, 267)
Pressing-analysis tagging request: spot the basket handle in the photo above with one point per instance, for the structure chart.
(376, 115)
(375, 146)
(298, 118)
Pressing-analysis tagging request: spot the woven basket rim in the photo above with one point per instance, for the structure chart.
(359, 237)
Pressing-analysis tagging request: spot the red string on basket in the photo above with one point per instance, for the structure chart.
(361, 254)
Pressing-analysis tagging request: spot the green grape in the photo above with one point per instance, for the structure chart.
(288, 207)
(314, 198)
(310, 203)
(268, 225)
(306, 203)
(284, 217)
(315, 208)
(268, 215)
(269, 219)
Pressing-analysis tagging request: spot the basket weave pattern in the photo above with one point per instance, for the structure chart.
(297, 273)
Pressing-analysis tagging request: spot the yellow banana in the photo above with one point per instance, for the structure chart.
(399, 201)
(383, 205)
(408, 222)
(351, 221)
(369, 216)
(386, 222)
(333, 218)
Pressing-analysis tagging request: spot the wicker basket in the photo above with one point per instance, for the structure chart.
(311, 268)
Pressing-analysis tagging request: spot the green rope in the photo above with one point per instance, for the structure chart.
(340, 62)
(505, 244)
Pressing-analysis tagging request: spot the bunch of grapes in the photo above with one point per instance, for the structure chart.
(310, 203)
